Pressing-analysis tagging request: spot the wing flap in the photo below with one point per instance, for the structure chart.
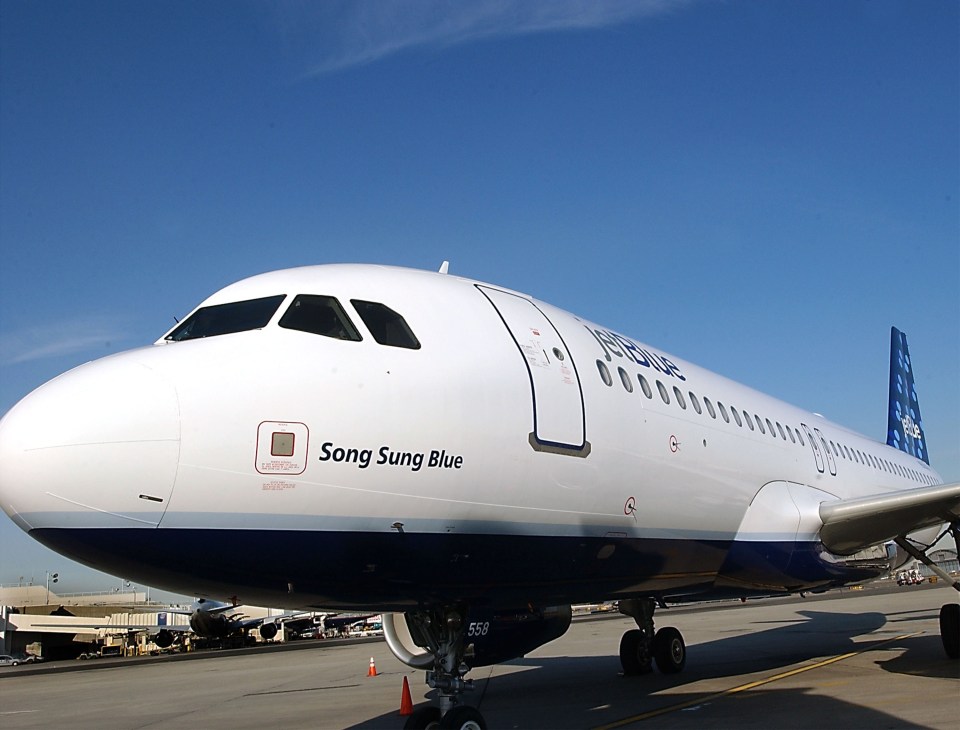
(850, 525)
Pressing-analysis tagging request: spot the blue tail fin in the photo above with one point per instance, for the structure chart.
(904, 425)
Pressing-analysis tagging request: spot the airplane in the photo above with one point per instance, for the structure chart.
(463, 458)
(208, 620)
(219, 620)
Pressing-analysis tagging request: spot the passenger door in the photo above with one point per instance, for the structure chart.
(559, 422)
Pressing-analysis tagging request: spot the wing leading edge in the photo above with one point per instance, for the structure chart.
(850, 525)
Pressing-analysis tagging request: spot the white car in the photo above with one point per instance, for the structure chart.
(8, 661)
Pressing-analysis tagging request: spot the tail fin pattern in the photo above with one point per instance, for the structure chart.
(904, 425)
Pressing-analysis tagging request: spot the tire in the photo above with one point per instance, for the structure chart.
(669, 650)
(950, 629)
(634, 654)
(423, 718)
(463, 717)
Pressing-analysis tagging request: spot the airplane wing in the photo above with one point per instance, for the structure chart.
(336, 621)
(850, 525)
(127, 627)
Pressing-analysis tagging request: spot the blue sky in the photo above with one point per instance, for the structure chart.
(761, 188)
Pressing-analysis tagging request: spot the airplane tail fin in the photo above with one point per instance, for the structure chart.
(904, 425)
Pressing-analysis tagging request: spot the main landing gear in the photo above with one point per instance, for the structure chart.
(640, 647)
(442, 631)
(949, 612)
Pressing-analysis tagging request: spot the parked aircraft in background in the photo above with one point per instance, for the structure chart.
(464, 456)
(219, 620)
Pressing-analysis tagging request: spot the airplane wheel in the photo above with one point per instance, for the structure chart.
(950, 629)
(634, 653)
(463, 717)
(669, 650)
(423, 718)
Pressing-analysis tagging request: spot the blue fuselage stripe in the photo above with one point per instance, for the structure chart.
(397, 570)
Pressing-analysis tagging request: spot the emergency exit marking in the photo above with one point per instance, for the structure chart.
(282, 444)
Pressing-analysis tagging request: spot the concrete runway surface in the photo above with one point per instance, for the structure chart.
(860, 659)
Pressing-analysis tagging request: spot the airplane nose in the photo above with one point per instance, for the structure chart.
(95, 447)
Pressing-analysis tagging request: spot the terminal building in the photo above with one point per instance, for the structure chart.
(36, 622)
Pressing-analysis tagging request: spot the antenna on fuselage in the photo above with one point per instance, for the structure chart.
(444, 267)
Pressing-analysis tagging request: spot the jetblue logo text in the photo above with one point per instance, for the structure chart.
(619, 346)
(385, 456)
(910, 427)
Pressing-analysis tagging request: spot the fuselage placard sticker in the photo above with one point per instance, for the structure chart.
(281, 447)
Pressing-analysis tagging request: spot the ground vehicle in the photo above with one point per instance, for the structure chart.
(9, 661)
(909, 578)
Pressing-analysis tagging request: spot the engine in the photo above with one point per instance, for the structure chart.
(164, 639)
(490, 637)
(268, 631)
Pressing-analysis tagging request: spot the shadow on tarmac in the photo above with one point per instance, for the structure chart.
(590, 691)
(923, 656)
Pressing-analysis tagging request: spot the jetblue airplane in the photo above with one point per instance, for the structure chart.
(463, 457)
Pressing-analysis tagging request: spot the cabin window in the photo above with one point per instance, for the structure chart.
(679, 396)
(760, 424)
(770, 426)
(746, 417)
(782, 434)
(736, 416)
(319, 315)
(664, 395)
(604, 372)
(225, 319)
(709, 405)
(625, 379)
(645, 386)
(695, 402)
(723, 411)
(386, 326)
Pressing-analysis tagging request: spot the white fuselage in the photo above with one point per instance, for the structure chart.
(513, 419)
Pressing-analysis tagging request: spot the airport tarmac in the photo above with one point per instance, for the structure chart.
(863, 659)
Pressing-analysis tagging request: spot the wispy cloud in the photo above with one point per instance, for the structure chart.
(66, 337)
(358, 32)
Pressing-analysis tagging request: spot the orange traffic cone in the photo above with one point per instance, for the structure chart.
(372, 671)
(406, 702)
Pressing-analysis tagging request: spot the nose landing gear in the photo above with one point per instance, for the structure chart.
(640, 647)
(442, 631)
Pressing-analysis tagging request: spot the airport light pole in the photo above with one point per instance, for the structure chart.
(51, 578)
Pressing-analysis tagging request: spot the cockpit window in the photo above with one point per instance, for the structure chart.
(386, 326)
(319, 315)
(224, 319)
